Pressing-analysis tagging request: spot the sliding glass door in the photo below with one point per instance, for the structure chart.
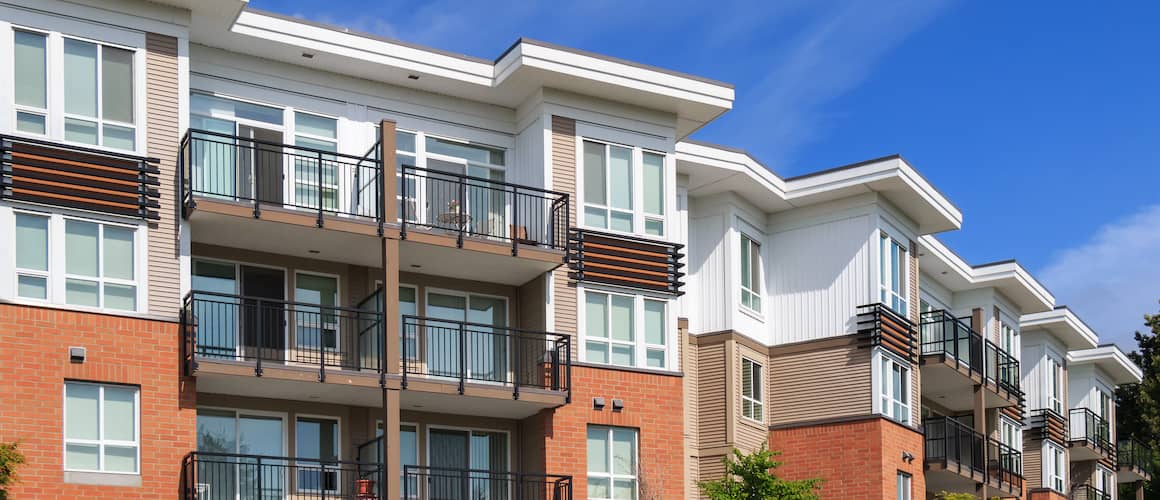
(452, 452)
(485, 341)
(223, 433)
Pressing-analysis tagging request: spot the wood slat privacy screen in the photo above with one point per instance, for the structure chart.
(627, 261)
(76, 177)
(889, 330)
(1051, 425)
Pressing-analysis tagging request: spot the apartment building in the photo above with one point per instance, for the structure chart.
(259, 257)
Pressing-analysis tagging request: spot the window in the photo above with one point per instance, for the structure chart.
(1054, 386)
(1054, 463)
(614, 179)
(316, 327)
(101, 427)
(892, 274)
(320, 173)
(98, 95)
(894, 389)
(903, 486)
(31, 62)
(1011, 434)
(612, 323)
(408, 456)
(434, 197)
(750, 273)
(317, 441)
(612, 458)
(410, 339)
(751, 395)
(75, 261)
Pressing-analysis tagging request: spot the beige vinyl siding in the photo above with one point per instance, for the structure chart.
(690, 387)
(1033, 465)
(564, 180)
(831, 380)
(162, 139)
(710, 468)
(915, 379)
(712, 396)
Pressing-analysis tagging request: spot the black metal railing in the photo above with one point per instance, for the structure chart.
(1088, 492)
(228, 476)
(1133, 454)
(1001, 368)
(230, 167)
(437, 483)
(887, 329)
(1088, 429)
(474, 352)
(236, 327)
(71, 176)
(955, 445)
(483, 208)
(944, 334)
(1004, 465)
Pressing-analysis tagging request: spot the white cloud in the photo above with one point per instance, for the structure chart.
(1113, 278)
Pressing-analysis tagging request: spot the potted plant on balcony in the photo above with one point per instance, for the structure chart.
(365, 489)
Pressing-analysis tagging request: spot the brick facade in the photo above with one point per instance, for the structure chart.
(856, 459)
(652, 404)
(1045, 494)
(34, 364)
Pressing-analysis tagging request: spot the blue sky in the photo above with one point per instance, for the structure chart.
(1038, 119)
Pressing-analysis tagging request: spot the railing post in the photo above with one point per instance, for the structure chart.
(260, 484)
(319, 187)
(459, 218)
(462, 359)
(403, 350)
(515, 225)
(321, 346)
(254, 182)
(258, 335)
(403, 204)
(516, 371)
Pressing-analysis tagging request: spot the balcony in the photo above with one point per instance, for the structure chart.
(1088, 492)
(955, 359)
(1134, 460)
(231, 336)
(444, 361)
(1090, 436)
(442, 212)
(954, 455)
(431, 483)
(1004, 468)
(221, 476)
(70, 176)
(1050, 425)
(881, 327)
(1002, 372)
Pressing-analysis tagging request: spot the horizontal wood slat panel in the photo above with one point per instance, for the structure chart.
(76, 177)
(884, 328)
(624, 261)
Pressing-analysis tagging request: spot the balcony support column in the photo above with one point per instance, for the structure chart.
(391, 328)
(387, 146)
(979, 402)
(392, 461)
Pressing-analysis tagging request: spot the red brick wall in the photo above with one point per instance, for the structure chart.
(34, 365)
(652, 404)
(858, 459)
(1045, 495)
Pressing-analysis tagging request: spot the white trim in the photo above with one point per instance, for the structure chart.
(879, 357)
(297, 444)
(612, 476)
(100, 442)
(1050, 474)
(639, 344)
(757, 402)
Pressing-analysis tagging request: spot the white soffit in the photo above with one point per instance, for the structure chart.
(1008, 277)
(1111, 360)
(1064, 325)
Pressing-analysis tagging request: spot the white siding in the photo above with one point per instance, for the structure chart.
(820, 274)
(707, 274)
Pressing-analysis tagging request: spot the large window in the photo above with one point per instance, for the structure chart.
(750, 273)
(624, 188)
(1054, 467)
(101, 428)
(904, 481)
(892, 276)
(316, 179)
(31, 75)
(625, 330)
(317, 440)
(76, 261)
(894, 389)
(1053, 389)
(612, 463)
(751, 395)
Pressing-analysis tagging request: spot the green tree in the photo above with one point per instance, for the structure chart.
(943, 495)
(750, 477)
(10, 457)
(1138, 415)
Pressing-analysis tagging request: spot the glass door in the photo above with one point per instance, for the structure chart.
(213, 157)
(467, 465)
(216, 312)
(486, 340)
(317, 442)
(442, 337)
(245, 456)
(316, 327)
(263, 313)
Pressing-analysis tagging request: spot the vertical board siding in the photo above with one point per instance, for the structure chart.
(821, 273)
(825, 383)
(564, 180)
(162, 140)
(707, 273)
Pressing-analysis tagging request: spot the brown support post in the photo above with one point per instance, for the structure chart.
(390, 209)
(393, 335)
(392, 461)
(980, 402)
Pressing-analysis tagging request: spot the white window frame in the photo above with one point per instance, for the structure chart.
(1053, 389)
(54, 112)
(342, 192)
(1054, 473)
(754, 291)
(100, 442)
(338, 444)
(756, 398)
(1010, 433)
(884, 400)
(639, 215)
(338, 303)
(1106, 481)
(56, 274)
(640, 345)
(885, 266)
(905, 487)
(612, 476)
(422, 156)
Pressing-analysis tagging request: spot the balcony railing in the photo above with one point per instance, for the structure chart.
(229, 476)
(1088, 492)
(483, 208)
(1004, 465)
(1002, 368)
(265, 331)
(474, 352)
(944, 334)
(1089, 429)
(1051, 425)
(436, 483)
(230, 167)
(888, 329)
(1133, 454)
(955, 445)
